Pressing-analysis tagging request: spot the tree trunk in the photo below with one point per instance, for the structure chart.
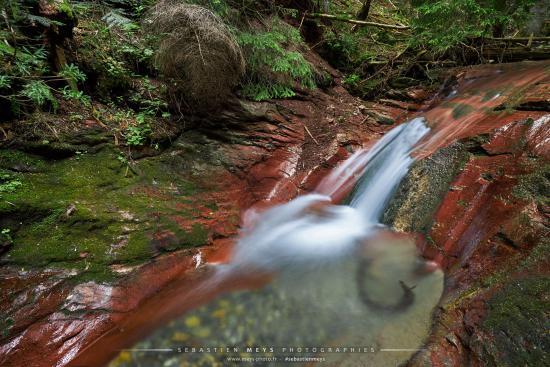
(325, 7)
(365, 9)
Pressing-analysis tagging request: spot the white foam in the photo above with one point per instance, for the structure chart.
(310, 230)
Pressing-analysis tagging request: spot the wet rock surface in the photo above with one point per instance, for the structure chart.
(489, 231)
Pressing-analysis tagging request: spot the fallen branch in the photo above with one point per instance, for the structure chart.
(519, 39)
(354, 21)
(309, 133)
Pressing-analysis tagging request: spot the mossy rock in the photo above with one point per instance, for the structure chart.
(535, 185)
(90, 211)
(518, 322)
(422, 190)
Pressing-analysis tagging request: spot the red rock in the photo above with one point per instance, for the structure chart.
(482, 225)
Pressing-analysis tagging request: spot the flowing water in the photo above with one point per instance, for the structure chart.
(345, 290)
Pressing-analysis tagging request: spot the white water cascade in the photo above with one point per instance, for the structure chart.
(309, 229)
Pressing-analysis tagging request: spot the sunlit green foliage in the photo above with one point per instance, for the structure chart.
(138, 134)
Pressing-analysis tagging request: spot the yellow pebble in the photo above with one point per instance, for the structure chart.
(192, 321)
(123, 357)
(179, 336)
(219, 313)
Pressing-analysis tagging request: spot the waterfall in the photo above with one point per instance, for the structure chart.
(311, 229)
(389, 162)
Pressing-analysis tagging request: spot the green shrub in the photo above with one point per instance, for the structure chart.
(274, 63)
(21, 76)
(26, 80)
(138, 134)
(275, 67)
(39, 93)
(75, 95)
(73, 75)
(8, 182)
(343, 48)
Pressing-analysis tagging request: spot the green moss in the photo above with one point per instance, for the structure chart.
(9, 182)
(535, 185)
(138, 248)
(87, 212)
(519, 322)
(540, 254)
(197, 237)
(422, 190)
(15, 159)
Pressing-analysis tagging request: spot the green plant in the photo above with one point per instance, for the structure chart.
(5, 82)
(122, 158)
(9, 183)
(446, 23)
(274, 70)
(22, 76)
(70, 94)
(113, 54)
(138, 134)
(73, 75)
(343, 47)
(352, 79)
(26, 78)
(39, 93)
(5, 233)
(148, 99)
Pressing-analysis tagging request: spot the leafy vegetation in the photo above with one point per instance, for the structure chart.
(106, 50)
(137, 135)
(470, 19)
(391, 58)
(207, 57)
(367, 55)
(113, 55)
(9, 183)
(272, 69)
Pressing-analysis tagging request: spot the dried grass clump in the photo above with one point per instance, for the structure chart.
(197, 52)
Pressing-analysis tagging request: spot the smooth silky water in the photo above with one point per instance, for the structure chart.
(322, 256)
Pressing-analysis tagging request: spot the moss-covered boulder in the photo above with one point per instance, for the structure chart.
(90, 211)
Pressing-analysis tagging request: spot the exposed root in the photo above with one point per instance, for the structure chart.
(197, 52)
